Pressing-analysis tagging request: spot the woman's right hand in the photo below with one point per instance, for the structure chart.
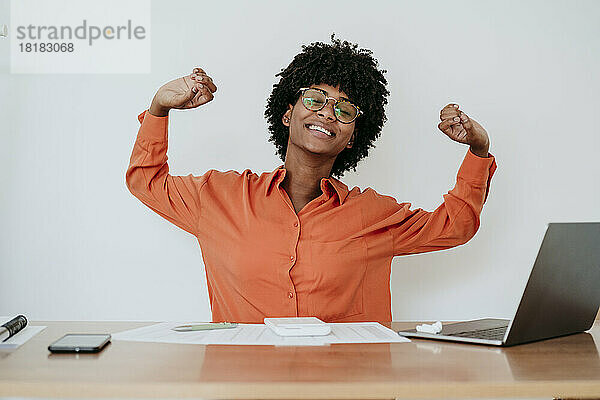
(189, 91)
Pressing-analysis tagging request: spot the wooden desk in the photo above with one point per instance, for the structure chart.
(561, 367)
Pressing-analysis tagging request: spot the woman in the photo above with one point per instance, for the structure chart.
(296, 241)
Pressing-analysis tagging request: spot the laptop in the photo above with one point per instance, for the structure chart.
(561, 297)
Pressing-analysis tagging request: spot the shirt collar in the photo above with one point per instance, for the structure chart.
(275, 177)
(328, 185)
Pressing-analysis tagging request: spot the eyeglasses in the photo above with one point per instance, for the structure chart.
(314, 99)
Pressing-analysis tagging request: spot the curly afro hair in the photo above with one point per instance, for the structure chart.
(338, 64)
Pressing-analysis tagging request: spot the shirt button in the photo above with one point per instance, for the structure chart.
(290, 295)
(295, 224)
(292, 258)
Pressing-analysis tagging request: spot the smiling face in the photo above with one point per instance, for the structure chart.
(318, 132)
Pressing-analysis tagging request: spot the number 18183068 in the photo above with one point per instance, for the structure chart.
(46, 47)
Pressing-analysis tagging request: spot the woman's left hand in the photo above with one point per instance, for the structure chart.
(462, 129)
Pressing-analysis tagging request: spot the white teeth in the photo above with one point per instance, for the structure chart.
(320, 129)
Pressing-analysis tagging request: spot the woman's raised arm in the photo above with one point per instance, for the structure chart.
(175, 198)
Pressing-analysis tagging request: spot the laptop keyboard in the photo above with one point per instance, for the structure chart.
(487, 334)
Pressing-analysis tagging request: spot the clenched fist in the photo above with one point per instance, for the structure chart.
(189, 91)
(462, 129)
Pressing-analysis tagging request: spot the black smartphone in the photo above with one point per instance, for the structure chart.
(80, 343)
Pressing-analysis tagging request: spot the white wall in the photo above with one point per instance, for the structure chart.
(75, 244)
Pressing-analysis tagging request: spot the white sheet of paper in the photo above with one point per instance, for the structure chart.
(21, 337)
(260, 334)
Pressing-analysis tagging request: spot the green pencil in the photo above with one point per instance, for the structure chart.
(205, 327)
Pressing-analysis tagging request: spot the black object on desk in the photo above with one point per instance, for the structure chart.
(80, 343)
(12, 327)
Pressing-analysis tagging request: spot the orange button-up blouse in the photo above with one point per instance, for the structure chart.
(330, 260)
